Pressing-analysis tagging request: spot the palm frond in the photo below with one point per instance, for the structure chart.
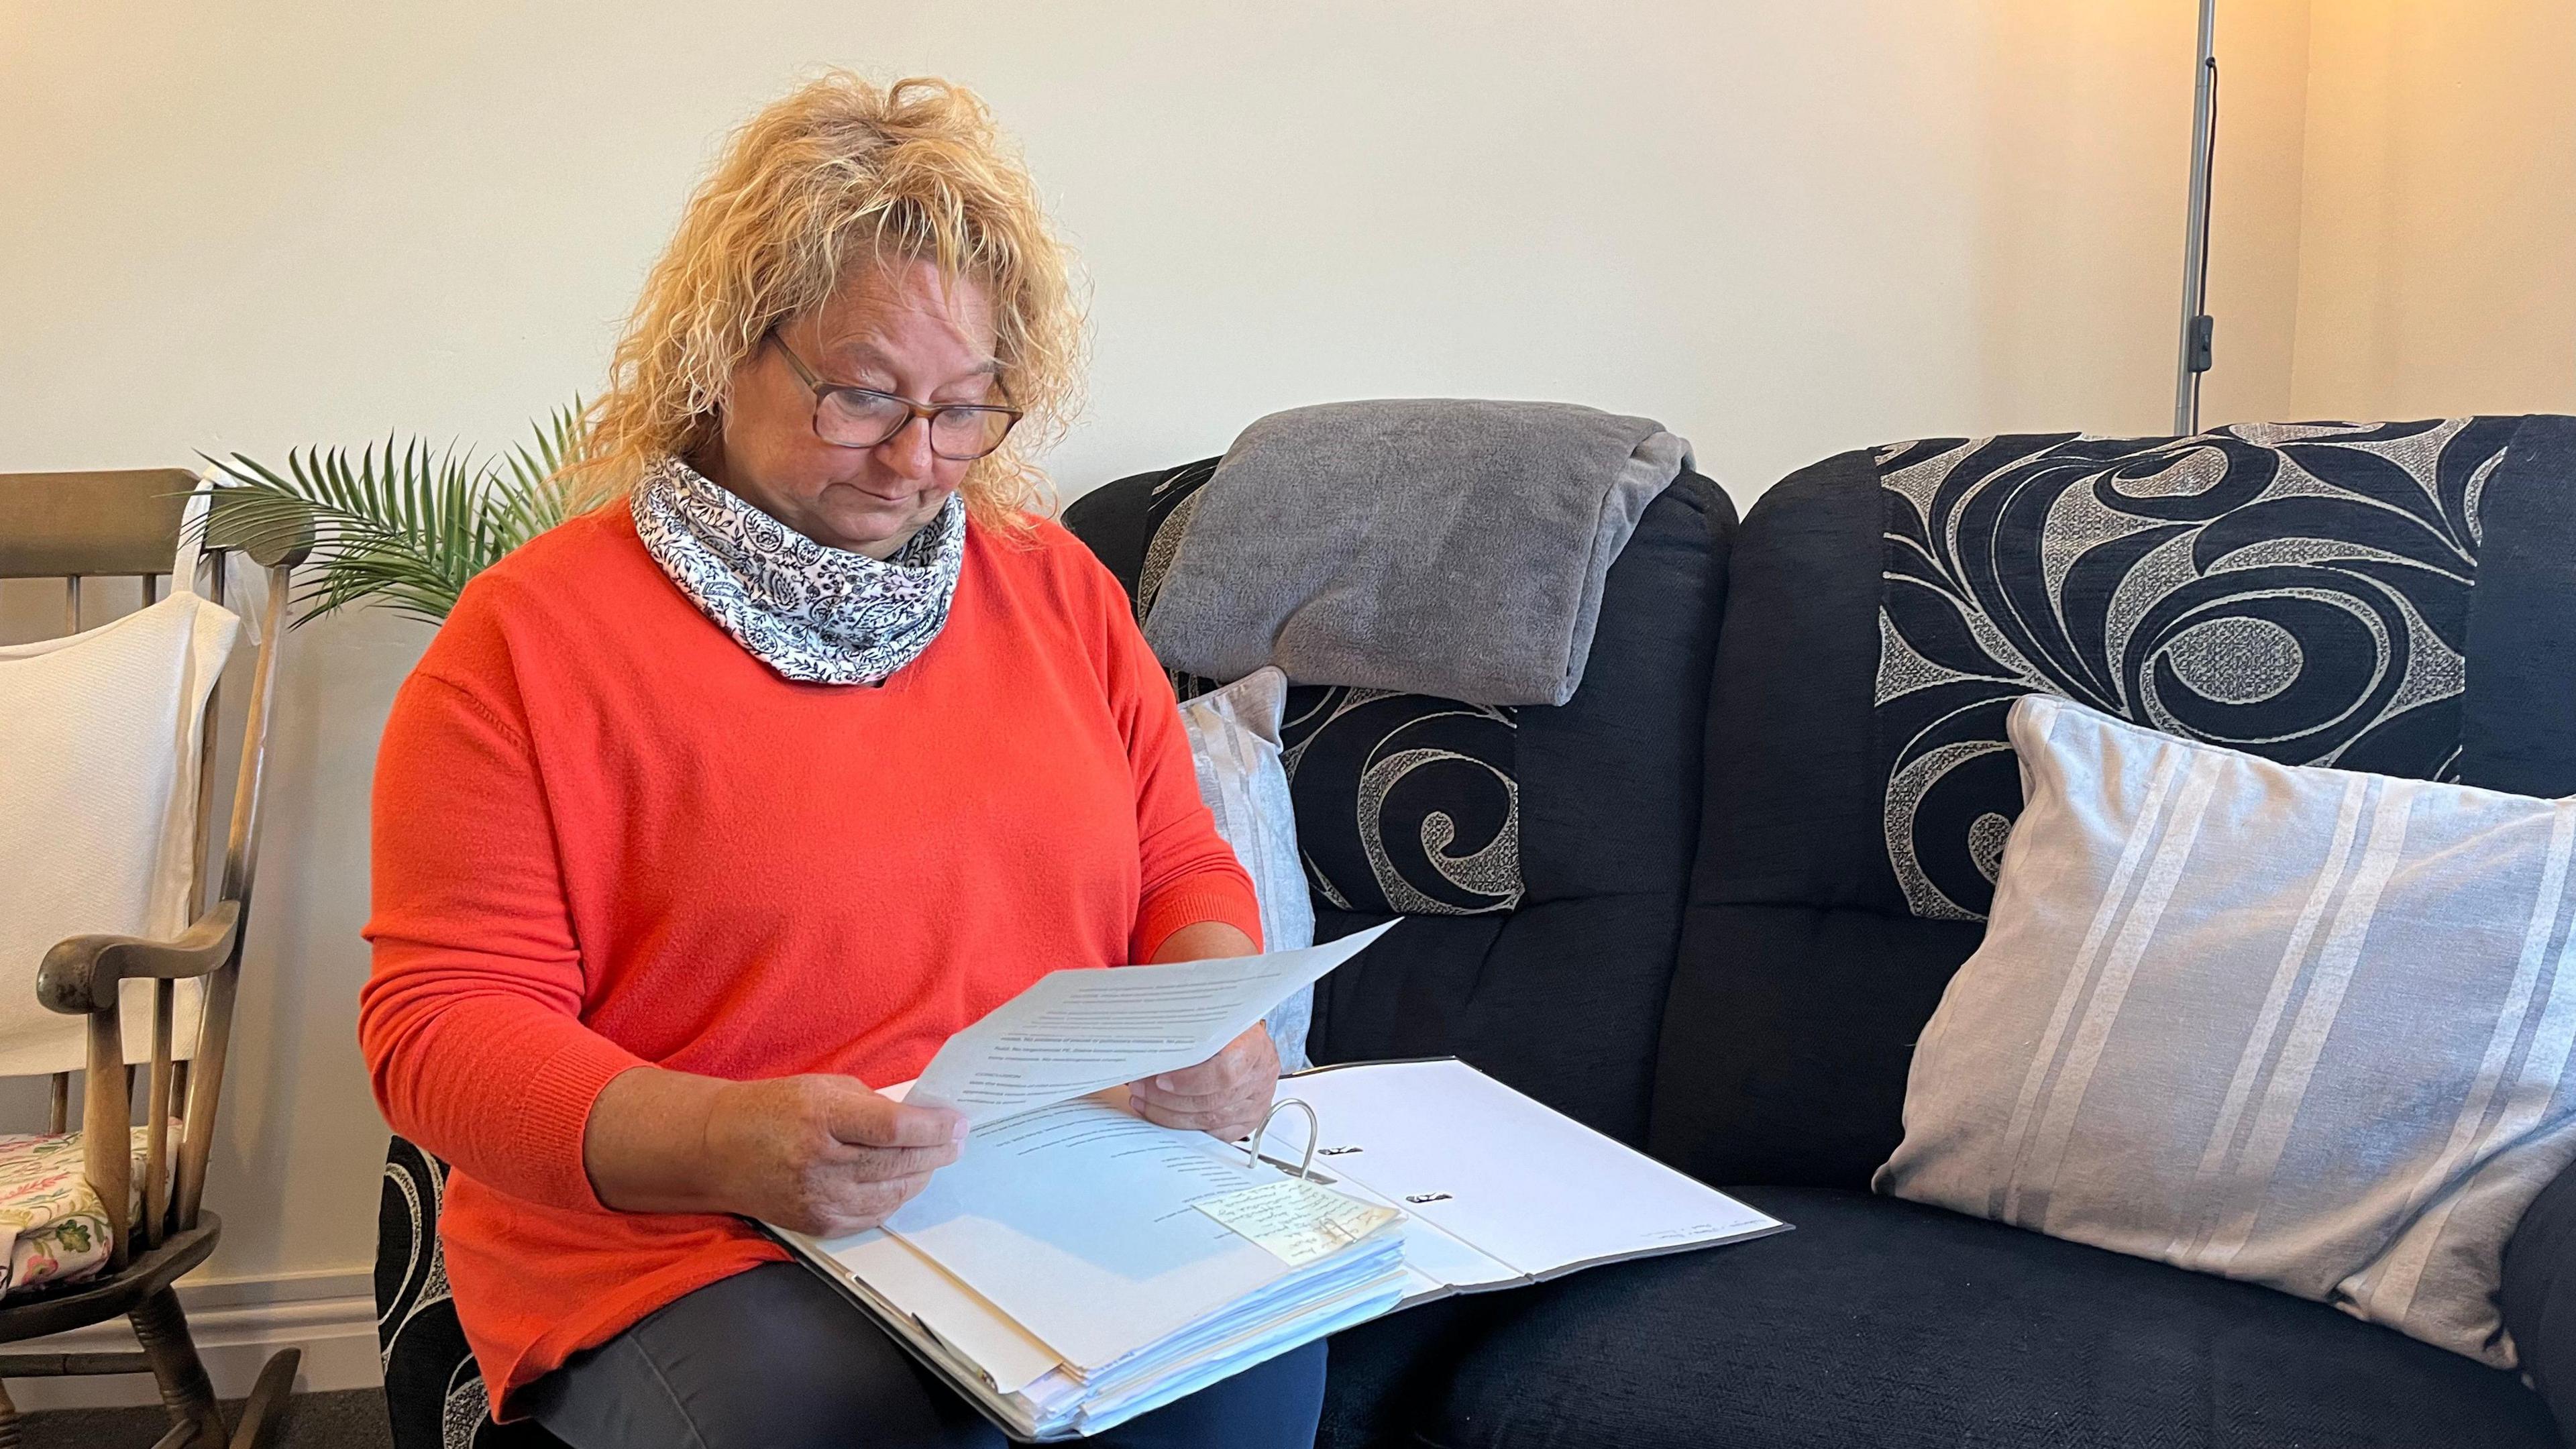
(537, 496)
(400, 524)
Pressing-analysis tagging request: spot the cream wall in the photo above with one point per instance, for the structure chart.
(1785, 230)
(2438, 240)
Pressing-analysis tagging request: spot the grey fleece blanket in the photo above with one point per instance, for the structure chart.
(1433, 546)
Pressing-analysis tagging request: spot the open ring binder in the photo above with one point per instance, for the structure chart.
(1137, 1295)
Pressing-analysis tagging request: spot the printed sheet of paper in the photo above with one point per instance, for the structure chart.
(1296, 1220)
(1076, 1032)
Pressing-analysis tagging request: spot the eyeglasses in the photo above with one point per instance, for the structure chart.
(859, 417)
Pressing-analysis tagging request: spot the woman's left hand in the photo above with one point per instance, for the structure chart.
(1224, 1096)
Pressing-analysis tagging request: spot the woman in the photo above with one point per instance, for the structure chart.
(709, 809)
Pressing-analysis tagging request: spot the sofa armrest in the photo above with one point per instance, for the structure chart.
(2539, 1296)
(81, 975)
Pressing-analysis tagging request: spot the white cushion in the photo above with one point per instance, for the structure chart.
(98, 808)
(1234, 742)
(2303, 1027)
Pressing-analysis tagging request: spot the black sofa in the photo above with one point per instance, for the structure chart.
(1705, 946)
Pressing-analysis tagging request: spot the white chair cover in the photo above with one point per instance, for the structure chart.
(99, 736)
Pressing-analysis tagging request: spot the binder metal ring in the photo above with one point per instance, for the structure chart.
(1314, 1130)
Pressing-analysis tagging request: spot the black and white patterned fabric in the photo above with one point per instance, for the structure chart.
(433, 1390)
(2300, 592)
(1168, 507)
(1406, 803)
(814, 613)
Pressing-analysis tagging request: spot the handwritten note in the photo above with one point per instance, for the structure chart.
(1296, 1220)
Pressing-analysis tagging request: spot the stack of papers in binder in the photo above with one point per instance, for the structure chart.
(1066, 1274)
(1079, 1265)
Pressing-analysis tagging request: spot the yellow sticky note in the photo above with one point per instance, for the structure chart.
(1296, 1220)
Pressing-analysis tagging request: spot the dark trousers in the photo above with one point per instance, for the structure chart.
(774, 1359)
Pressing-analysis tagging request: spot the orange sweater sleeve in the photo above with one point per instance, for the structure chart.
(1189, 872)
(470, 1017)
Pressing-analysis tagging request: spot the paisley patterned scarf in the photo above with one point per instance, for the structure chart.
(814, 613)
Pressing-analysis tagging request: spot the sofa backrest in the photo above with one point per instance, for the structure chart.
(2399, 598)
(1543, 852)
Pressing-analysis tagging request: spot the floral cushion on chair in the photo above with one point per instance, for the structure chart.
(52, 1222)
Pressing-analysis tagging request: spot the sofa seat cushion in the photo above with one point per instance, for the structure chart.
(1891, 1324)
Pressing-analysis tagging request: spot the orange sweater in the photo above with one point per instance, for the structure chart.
(607, 836)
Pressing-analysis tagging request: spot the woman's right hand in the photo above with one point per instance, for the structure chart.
(820, 1153)
(824, 1154)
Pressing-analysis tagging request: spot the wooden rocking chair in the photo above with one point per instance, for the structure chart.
(73, 526)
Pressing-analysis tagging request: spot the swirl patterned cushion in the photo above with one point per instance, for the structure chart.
(2298, 592)
(1406, 804)
(53, 1223)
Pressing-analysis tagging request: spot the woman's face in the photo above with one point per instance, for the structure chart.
(897, 328)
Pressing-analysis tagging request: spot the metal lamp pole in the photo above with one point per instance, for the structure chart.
(2196, 321)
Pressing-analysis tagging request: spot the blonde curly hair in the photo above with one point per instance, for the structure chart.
(840, 174)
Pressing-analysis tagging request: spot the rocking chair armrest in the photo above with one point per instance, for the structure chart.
(81, 975)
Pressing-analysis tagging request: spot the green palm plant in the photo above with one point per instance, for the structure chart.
(399, 525)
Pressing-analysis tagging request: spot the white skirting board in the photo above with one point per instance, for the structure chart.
(237, 1323)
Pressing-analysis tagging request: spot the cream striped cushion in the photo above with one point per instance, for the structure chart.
(2304, 1027)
